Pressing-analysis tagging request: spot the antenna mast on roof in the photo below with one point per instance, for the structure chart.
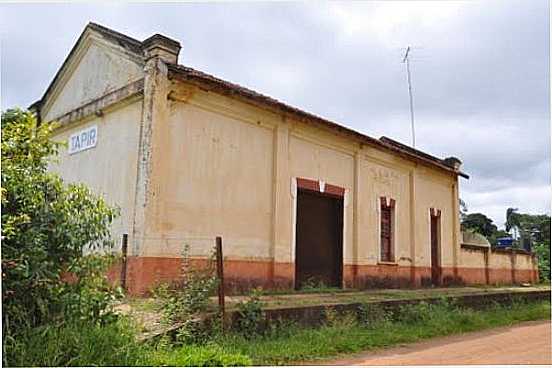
(407, 61)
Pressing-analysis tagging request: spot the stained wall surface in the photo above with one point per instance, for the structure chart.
(217, 166)
(231, 169)
(109, 169)
(97, 69)
(218, 182)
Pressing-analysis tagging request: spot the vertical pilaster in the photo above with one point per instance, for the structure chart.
(356, 218)
(153, 137)
(456, 235)
(412, 186)
(513, 265)
(282, 270)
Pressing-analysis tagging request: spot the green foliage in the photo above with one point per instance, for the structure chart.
(528, 228)
(91, 297)
(210, 355)
(528, 231)
(479, 223)
(187, 300)
(463, 207)
(48, 232)
(535, 231)
(76, 344)
(543, 255)
(189, 297)
(415, 313)
(197, 330)
(512, 219)
(250, 314)
(369, 314)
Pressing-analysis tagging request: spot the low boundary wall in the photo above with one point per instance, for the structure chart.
(485, 265)
(315, 315)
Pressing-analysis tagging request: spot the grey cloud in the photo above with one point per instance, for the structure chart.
(481, 80)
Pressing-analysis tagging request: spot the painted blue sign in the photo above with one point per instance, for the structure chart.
(83, 140)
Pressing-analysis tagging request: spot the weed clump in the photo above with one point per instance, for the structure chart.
(187, 300)
(250, 315)
(78, 343)
(189, 296)
(371, 315)
(209, 355)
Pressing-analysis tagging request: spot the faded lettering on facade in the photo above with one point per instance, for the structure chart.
(83, 140)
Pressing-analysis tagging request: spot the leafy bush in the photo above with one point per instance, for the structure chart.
(543, 255)
(250, 314)
(48, 232)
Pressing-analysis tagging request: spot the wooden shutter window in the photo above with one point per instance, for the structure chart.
(386, 230)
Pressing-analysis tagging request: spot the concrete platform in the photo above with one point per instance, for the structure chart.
(308, 308)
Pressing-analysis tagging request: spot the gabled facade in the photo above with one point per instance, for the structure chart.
(297, 199)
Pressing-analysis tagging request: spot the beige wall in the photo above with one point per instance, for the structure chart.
(109, 169)
(315, 159)
(523, 262)
(377, 179)
(472, 258)
(227, 168)
(230, 171)
(434, 190)
(98, 67)
(218, 182)
(497, 260)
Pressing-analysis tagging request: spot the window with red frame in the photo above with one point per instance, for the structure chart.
(386, 229)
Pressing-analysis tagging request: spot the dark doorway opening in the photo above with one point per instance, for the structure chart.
(319, 239)
(435, 250)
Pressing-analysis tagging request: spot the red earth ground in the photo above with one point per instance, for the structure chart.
(524, 343)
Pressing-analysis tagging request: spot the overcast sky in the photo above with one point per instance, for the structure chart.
(480, 72)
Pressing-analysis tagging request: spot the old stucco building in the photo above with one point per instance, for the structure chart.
(187, 157)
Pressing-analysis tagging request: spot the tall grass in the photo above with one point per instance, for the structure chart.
(76, 344)
(349, 335)
(85, 344)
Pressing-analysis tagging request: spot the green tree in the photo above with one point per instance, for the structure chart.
(512, 221)
(463, 209)
(479, 223)
(542, 250)
(48, 230)
(534, 230)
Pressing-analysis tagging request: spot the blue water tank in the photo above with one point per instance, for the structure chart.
(504, 242)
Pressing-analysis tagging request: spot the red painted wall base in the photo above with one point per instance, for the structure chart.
(144, 273)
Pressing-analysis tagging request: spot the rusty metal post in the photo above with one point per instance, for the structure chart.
(124, 250)
(220, 275)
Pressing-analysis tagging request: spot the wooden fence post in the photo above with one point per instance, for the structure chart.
(220, 275)
(124, 250)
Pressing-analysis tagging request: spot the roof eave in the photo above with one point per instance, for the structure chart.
(193, 76)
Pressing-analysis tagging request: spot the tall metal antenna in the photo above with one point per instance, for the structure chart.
(407, 61)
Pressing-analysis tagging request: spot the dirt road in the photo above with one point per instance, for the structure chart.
(524, 343)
